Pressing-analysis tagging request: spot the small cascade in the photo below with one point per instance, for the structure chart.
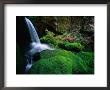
(36, 45)
(32, 31)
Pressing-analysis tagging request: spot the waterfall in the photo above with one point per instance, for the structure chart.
(32, 31)
(36, 45)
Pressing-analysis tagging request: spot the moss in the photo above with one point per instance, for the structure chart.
(76, 46)
(60, 62)
(53, 65)
(79, 66)
(58, 52)
(88, 57)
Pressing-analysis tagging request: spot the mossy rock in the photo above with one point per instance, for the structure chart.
(78, 66)
(88, 58)
(53, 65)
(59, 62)
(57, 52)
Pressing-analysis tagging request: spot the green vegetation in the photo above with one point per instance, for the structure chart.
(53, 65)
(88, 58)
(76, 46)
(58, 52)
(79, 67)
(60, 62)
(55, 61)
(49, 38)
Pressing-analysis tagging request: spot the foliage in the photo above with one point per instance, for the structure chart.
(63, 24)
(76, 46)
(49, 38)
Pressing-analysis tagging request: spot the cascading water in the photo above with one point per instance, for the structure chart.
(32, 31)
(36, 45)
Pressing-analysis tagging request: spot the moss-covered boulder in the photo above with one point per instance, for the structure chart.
(78, 65)
(88, 57)
(53, 65)
(59, 62)
(58, 52)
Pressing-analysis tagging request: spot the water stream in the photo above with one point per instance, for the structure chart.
(36, 45)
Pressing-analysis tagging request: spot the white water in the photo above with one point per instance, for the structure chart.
(32, 31)
(36, 45)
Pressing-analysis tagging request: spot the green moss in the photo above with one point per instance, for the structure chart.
(79, 66)
(60, 62)
(88, 57)
(53, 65)
(58, 52)
(76, 46)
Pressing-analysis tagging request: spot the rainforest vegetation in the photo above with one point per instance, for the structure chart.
(72, 38)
